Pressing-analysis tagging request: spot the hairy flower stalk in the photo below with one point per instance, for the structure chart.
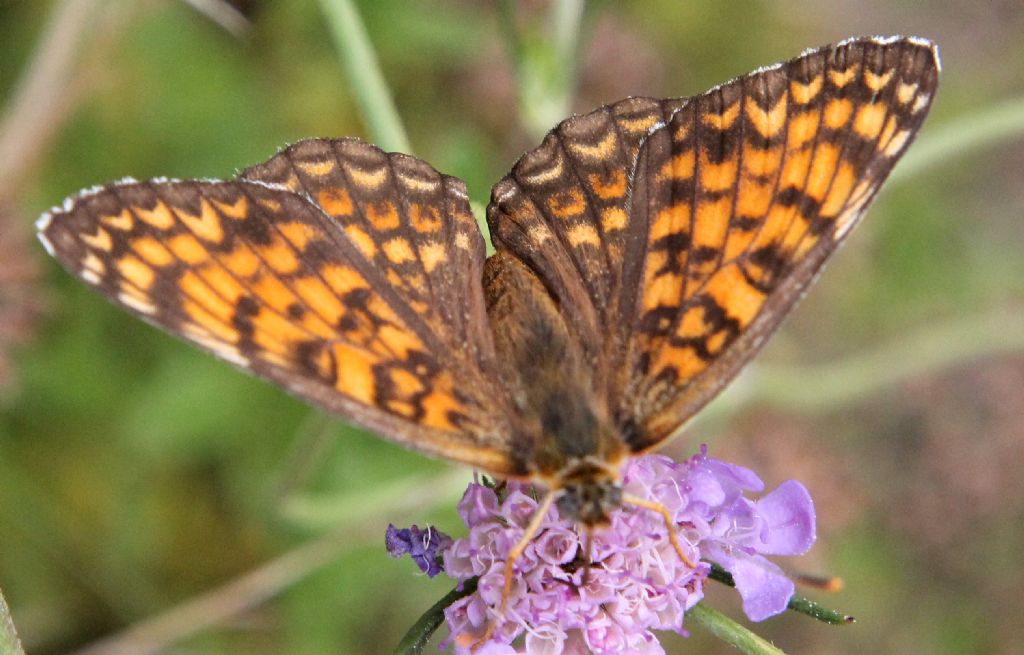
(636, 583)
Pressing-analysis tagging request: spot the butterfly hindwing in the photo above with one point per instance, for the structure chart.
(274, 279)
(564, 212)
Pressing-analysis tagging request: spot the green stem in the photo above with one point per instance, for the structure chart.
(731, 632)
(971, 131)
(507, 24)
(818, 611)
(9, 642)
(363, 72)
(566, 19)
(419, 634)
(544, 62)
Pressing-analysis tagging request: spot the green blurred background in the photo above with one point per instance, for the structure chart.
(145, 487)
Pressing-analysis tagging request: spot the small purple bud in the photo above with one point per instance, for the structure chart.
(424, 546)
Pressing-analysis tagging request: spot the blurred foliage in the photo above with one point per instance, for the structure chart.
(137, 474)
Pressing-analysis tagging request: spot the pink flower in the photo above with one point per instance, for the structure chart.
(637, 583)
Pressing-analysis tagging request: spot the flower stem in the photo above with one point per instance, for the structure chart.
(419, 634)
(731, 632)
(796, 603)
(45, 94)
(364, 74)
(545, 59)
(818, 611)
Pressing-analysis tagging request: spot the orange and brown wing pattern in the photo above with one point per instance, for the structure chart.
(745, 192)
(412, 223)
(675, 234)
(564, 211)
(258, 274)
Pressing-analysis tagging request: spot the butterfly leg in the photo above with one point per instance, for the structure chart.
(510, 560)
(588, 553)
(669, 525)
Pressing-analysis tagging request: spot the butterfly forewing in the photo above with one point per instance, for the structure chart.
(755, 184)
(733, 201)
(278, 280)
(411, 222)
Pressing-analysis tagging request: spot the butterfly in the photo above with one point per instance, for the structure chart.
(644, 252)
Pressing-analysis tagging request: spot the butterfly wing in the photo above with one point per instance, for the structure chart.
(344, 274)
(676, 234)
(563, 212)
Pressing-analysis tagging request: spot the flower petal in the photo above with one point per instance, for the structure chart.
(557, 546)
(397, 541)
(496, 648)
(788, 513)
(478, 504)
(546, 639)
(733, 477)
(764, 587)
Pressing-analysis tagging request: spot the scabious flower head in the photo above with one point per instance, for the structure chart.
(636, 582)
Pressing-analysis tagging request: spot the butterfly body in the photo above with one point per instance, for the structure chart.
(560, 418)
(645, 251)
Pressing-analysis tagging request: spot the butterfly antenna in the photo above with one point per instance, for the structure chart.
(670, 527)
(824, 583)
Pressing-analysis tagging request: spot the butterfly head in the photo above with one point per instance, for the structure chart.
(588, 491)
